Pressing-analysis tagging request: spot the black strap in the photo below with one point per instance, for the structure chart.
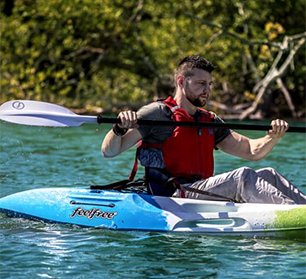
(202, 192)
(120, 185)
(111, 186)
(171, 182)
(176, 183)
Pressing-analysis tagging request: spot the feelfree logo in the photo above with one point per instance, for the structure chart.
(91, 213)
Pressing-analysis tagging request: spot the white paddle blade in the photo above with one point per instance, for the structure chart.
(34, 113)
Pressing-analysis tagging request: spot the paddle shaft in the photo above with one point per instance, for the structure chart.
(35, 113)
(234, 126)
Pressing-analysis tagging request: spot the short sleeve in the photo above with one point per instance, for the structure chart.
(155, 111)
(220, 133)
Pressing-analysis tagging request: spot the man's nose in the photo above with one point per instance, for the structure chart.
(207, 88)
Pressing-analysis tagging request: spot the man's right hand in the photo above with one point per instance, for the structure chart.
(113, 144)
(128, 119)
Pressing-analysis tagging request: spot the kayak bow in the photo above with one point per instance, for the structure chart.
(132, 211)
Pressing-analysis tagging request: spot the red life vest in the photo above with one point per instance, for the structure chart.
(188, 152)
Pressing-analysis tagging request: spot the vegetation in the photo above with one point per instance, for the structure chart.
(109, 54)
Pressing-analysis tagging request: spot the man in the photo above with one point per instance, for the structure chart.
(182, 157)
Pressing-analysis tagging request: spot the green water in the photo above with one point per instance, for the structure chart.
(34, 157)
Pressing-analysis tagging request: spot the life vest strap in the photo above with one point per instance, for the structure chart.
(135, 166)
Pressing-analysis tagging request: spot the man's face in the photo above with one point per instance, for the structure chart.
(197, 88)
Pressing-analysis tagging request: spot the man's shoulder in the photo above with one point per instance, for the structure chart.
(159, 104)
(154, 110)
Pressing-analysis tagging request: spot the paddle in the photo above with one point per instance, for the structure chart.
(36, 113)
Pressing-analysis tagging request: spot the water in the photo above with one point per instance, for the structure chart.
(34, 157)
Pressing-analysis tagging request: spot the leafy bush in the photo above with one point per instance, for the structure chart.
(91, 53)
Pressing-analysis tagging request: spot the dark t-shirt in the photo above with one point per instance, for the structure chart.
(158, 134)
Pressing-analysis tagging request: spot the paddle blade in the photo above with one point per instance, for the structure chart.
(34, 113)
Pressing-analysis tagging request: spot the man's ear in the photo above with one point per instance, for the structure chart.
(180, 80)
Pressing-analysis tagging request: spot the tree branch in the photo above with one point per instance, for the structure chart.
(234, 35)
(287, 96)
(272, 75)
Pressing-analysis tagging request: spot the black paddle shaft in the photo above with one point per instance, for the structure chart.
(235, 126)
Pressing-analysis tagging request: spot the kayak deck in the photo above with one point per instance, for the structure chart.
(132, 211)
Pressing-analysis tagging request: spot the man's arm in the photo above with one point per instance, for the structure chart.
(254, 149)
(115, 144)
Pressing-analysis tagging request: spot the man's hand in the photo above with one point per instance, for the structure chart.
(116, 141)
(279, 128)
(128, 119)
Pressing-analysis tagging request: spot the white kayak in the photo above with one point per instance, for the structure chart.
(115, 210)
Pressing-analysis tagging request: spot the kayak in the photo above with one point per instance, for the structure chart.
(86, 207)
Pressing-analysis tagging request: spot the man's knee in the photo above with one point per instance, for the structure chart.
(245, 171)
(247, 174)
(266, 171)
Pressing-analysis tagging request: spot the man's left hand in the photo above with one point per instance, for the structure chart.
(279, 128)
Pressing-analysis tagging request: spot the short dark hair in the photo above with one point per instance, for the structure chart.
(190, 62)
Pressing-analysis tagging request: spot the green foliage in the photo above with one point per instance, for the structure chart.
(98, 53)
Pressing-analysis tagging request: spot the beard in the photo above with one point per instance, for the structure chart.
(197, 102)
(191, 97)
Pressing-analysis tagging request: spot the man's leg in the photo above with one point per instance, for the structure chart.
(281, 183)
(242, 185)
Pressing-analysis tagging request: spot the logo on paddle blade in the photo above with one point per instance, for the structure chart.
(18, 105)
(91, 213)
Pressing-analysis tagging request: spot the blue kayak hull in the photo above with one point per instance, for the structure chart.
(85, 207)
(132, 211)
